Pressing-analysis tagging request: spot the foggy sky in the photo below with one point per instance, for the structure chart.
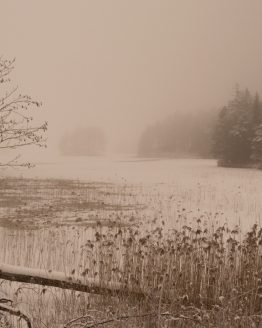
(122, 64)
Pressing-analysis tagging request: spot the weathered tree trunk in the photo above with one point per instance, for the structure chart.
(61, 280)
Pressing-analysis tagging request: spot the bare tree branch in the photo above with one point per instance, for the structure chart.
(16, 121)
(93, 323)
(17, 313)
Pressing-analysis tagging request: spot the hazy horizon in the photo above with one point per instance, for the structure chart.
(122, 65)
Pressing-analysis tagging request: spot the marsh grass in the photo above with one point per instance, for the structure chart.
(200, 273)
(211, 271)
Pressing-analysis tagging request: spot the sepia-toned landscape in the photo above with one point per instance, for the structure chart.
(131, 158)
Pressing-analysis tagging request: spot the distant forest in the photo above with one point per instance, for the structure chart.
(237, 138)
(233, 134)
(182, 134)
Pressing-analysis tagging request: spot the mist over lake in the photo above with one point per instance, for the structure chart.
(131, 164)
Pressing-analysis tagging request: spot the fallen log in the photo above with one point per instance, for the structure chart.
(61, 280)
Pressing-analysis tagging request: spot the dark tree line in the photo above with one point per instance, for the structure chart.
(232, 135)
(237, 139)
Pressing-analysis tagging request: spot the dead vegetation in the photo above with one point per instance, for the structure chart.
(199, 274)
(34, 204)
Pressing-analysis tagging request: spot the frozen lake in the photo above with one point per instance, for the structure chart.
(117, 168)
(194, 184)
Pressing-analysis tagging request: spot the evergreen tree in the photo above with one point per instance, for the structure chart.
(235, 130)
(238, 132)
(257, 130)
(257, 111)
(257, 144)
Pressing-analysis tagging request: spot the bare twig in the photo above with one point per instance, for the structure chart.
(134, 316)
(83, 317)
(16, 313)
(16, 126)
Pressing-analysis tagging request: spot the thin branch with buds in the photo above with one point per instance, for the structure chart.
(16, 128)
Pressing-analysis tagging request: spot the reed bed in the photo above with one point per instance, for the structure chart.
(199, 272)
(194, 267)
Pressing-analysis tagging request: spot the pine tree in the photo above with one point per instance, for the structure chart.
(234, 130)
(257, 144)
(257, 130)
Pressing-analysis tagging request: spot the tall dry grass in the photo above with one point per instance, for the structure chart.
(210, 270)
(200, 273)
